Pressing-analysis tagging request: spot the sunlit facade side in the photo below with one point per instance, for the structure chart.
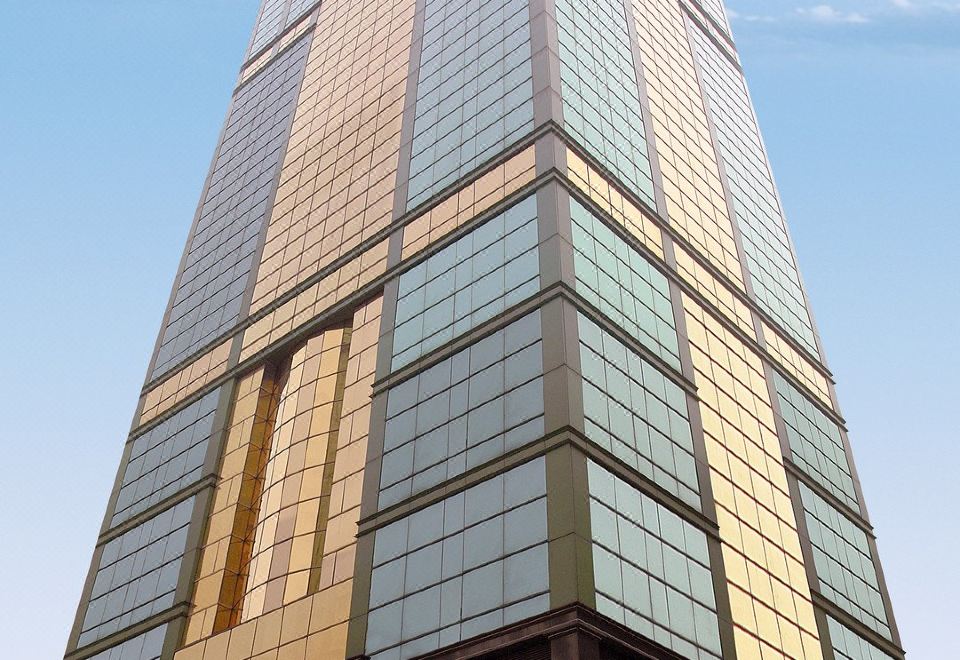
(488, 340)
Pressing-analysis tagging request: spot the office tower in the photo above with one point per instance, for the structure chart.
(488, 341)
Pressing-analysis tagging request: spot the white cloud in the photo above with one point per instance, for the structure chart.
(828, 14)
(920, 6)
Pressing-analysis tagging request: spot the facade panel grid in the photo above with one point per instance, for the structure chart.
(767, 584)
(601, 96)
(147, 646)
(692, 187)
(338, 180)
(470, 408)
(137, 574)
(167, 458)
(475, 91)
(274, 17)
(471, 281)
(770, 259)
(848, 645)
(209, 292)
(815, 443)
(466, 565)
(290, 518)
(623, 285)
(636, 413)
(715, 10)
(844, 562)
(652, 569)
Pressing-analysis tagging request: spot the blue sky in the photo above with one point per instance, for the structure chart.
(109, 116)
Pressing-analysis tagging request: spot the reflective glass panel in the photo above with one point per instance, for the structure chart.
(469, 564)
(471, 281)
(636, 413)
(466, 410)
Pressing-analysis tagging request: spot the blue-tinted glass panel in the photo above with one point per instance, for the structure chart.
(475, 91)
(166, 459)
(274, 17)
(848, 645)
(815, 443)
(844, 562)
(466, 410)
(138, 574)
(147, 646)
(471, 563)
(715, 10)
(766, 243)
(636, 413)
(473, 280)
(601, 96)
(221, 253)
(651, 568)
(621, 283)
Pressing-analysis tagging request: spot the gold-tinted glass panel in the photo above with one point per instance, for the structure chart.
(797, 365)
(612, 202)
(316, 299)
(469, 202)
(266, 411)
(290, 521)
(714, 290)
(769, 594)
(220, 578)
(696, 205)
(185, 382)
(339, 174)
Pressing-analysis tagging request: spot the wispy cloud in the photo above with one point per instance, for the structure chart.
(829, 14)
(915, 27)
(921, 6)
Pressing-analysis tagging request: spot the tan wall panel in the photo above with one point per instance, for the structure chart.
(769, 595)
(313, 626)
(608, 198)
(696, 205)
(797, 365)
(291, 518)
(469, 202)
(317, 298)
(339, 174)
(185, 382)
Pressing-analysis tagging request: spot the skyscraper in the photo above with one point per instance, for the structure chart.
(488, 340)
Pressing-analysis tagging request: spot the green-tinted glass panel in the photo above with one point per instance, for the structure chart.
(623, 285)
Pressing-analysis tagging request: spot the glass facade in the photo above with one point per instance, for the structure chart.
(475, 89)
(464, 411)
(488, 333)
(601, 97)
(471, 281)
(636, 413)
(815, 443)
(847, 645)
(222, 249)
(166, 459)
(466, 565)
(844, 562)
(147, 646)
(623, 285)
(770, 260)
(652, 569)
(137, 573)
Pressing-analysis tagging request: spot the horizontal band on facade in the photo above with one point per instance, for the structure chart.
(827, 606)
(566, 436)
(177, 611)
(342, 307)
